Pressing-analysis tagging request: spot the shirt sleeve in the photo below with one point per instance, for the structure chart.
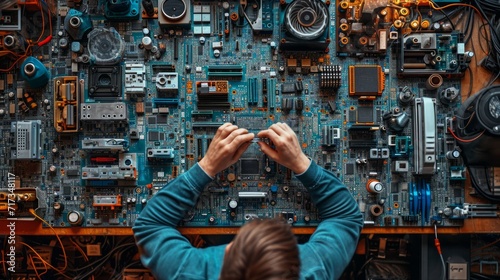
(331, 247)
(167, 253)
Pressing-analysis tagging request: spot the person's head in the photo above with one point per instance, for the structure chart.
(262, 250)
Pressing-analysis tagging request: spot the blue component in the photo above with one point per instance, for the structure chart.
(274, 189)
(76, 47)
(77, 24)
(34, 73)
(122, 10)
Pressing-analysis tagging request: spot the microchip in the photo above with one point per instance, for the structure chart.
(66, 190)
(162, 119)
(152, 120)
(365, 115)
(249, 167)
(349, 169)
(153, 136)
(395, 197)
(287, 88)
(72, 172)
(366, 81)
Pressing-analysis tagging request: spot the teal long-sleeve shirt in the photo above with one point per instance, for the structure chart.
(169, 255)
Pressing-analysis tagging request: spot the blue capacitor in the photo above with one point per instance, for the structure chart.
(274, 189)
(34, 73)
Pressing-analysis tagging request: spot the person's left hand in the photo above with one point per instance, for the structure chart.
(229, 143)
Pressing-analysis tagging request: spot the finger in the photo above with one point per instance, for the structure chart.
(227, 131)
(273, 154)
(286, 127)
(277, 128)
(221, 128)
(270, 134)
(241, 150)
(235, 133)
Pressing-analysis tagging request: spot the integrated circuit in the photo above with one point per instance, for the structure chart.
(366, 81)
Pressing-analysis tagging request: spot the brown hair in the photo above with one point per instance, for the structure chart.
(263, 249)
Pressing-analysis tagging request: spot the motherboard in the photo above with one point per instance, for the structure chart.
(104, 102)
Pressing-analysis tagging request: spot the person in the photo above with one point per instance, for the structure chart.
(262, 249)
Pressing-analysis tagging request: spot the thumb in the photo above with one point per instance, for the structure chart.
(273, 154)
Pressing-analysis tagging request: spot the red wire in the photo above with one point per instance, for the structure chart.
(464, 140)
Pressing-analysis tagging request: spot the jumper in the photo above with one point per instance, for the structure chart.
(169, 255)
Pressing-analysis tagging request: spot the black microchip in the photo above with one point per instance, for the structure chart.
(152, 120)
(352, 115)
(395, 197)
(153, 136)
(366, 80)
(287, 88)
(162, 119)
(72, 172)
(365, 114)
(349, 169)
(394, 187)
(249, 167)
(162, 136)
(66, 190)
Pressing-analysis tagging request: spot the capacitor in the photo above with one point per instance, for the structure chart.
(468, 56)
(75, 218)
(225, 5)
(58, 206)
(231, 177)
(147, 42)
(11, 94)
(52, 168)
(216, 53)
(374, 186)
(46, 101)
(145, 31)
(211, 219)
(202, 40)
(455, 154)
(63, 43)
(2, 112)
(134, 199)
(233, 204)
(143, 201)
(307, 218)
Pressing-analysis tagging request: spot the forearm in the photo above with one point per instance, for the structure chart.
(169, 205)
(331, 197)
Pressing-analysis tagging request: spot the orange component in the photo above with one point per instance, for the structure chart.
(374, 186)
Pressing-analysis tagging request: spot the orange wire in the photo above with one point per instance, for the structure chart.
(464, 140)
(455, 5)
(44, 261)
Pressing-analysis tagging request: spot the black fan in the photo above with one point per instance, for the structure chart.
(306, 19)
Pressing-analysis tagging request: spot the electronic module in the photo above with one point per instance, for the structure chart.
(103, 102)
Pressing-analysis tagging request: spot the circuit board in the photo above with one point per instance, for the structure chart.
(102, 103)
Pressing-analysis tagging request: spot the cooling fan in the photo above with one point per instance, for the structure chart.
(305, 26)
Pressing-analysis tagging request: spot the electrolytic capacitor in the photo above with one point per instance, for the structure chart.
(374, 186)
(233, 204)
(455, 154)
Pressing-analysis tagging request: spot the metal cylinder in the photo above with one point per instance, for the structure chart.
(374, 186)
(434, 82)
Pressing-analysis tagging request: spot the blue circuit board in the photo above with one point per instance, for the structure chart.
(124, 96)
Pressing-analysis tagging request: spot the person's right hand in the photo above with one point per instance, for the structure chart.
(287, 150)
